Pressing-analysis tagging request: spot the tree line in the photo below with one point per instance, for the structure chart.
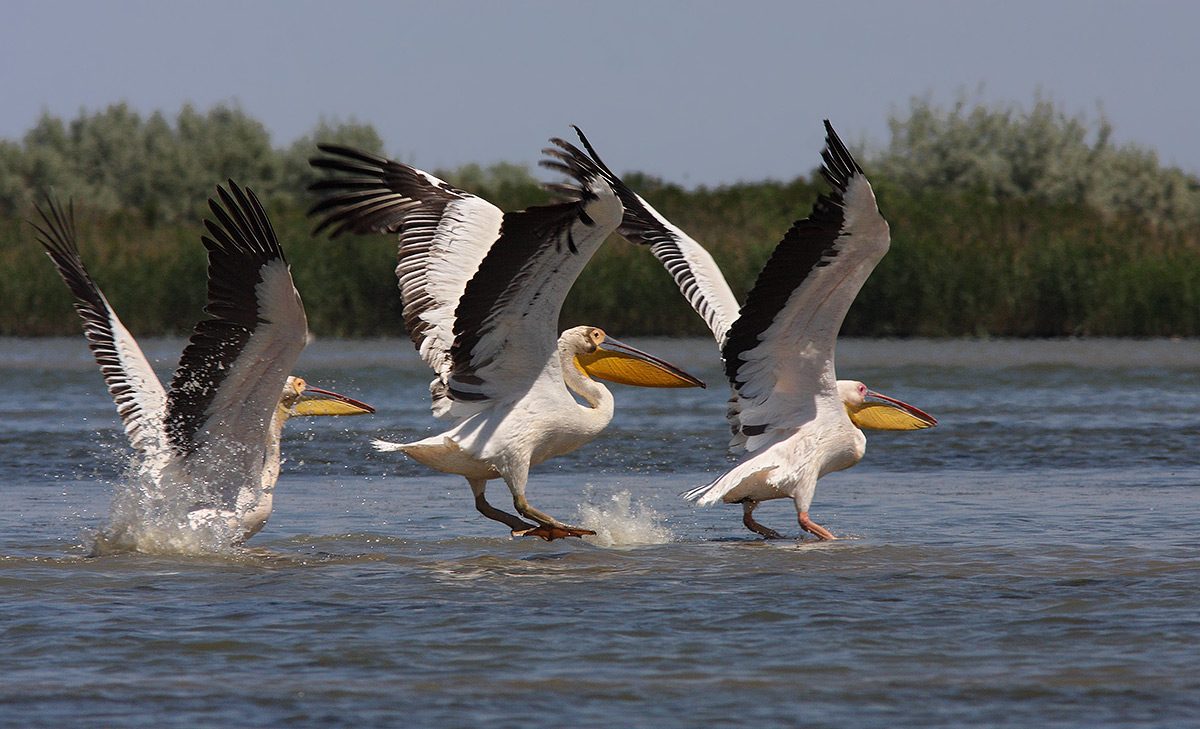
(1006, 221)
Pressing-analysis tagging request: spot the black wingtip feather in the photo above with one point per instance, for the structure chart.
(57, 237)
(365, 193)
(592, 152)
(241, 223)
(839, 165)
(348, 152)
(807, 246)
(240, 243)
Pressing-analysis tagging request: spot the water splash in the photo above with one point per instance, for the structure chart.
(619, 522)
(152, 512)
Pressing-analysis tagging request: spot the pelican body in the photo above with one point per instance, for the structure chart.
(481, 293)
(791, 419)
(213, 439)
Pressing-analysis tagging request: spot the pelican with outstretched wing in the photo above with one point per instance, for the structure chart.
(789, 414)
(481, 293)
(215, 434)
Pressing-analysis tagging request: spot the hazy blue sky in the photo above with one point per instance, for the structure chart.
(696, 92)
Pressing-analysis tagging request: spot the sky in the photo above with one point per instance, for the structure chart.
(694, 92)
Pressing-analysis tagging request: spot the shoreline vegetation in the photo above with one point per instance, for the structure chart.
(1006, 222)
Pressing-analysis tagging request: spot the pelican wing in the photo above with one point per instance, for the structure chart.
(779, 353)
(444, 235)
(693, 268)
(506, 322)
(137, 391)
(234, 367)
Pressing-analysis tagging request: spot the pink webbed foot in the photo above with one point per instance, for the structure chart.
(814, 528)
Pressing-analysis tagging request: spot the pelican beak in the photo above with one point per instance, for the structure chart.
(315, 401)
(625, 365)
(889, 414)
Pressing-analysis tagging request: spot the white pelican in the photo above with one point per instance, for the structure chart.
(214, 437)
(788, 412)
(482, 291)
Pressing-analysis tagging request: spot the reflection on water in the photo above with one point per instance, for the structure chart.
(1031, 561)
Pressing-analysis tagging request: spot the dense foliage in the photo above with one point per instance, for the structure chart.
(1004, 221)
(115, 161)
(1041, 155)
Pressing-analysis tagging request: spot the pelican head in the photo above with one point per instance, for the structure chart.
(300, 399)
(581, 340)
(598, 355)
(881, 412)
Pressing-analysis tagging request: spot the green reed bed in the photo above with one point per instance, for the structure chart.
(962, 266)
(148, 275)
(1006, 221)
(155, 277)
(958, 266)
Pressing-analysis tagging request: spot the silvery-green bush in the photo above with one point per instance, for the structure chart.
(1040, 154)
(164, 170)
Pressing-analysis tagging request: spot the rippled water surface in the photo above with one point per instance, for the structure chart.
(1032, 561)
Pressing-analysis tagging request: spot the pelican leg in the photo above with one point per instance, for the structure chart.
(548, 527)
(477, 487)
(812, 527)
(748, 519)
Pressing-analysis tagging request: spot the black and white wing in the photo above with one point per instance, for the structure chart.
(233, 370)
(135, 388)
(779, 353)
(444, 234)
(692, 267)
(506, 324)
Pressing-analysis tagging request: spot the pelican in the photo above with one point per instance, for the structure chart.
(214, 436)
(481, 293)
(788, 413)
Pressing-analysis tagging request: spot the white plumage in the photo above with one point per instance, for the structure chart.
(788, 413)
(482, 291)
(213, 438)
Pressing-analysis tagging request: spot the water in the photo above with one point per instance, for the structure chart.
(1032, 561)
